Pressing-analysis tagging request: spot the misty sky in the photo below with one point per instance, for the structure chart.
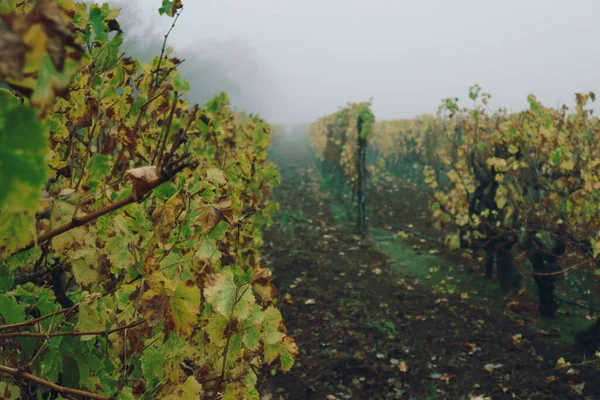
(305, 58)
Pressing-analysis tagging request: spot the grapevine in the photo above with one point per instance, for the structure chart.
(340, 142)
(544, 162)
(130, 220)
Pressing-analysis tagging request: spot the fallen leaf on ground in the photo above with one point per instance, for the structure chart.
(491, 367)
(577, 388)
(288, 298)
(480, 397)
(518, 338)
(561, 363)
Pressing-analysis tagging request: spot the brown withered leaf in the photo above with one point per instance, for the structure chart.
(224, 206)
(12, 54)
(209, 219)
(153, 306)
(261, 283)
(213, 214)
(143, 178)
(177, 4)
(164, 217)
(129, 66)
(127, 137)
(24, 42)
(60, 33)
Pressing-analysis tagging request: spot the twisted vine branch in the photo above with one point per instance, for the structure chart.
(80, 221)
(52, 386)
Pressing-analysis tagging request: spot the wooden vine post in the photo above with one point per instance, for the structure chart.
(360, 191)
(340, 141)
(364, 121)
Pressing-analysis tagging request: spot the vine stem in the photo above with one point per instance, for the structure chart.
(55, 334)
(80, 221)
(163, 143)
(36, 320)
(164, 48)
(52, 386)
(219, 385)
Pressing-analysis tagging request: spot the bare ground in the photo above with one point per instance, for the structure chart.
(367, 332)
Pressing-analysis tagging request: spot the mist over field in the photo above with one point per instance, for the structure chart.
(292, 61)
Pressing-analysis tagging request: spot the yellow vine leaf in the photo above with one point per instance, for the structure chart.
(216, 176)
(185, 307)
(188, 390)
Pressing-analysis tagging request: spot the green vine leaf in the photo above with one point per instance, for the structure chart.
(9, 391)
(223, 294)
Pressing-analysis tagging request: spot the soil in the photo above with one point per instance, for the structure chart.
(368, 330)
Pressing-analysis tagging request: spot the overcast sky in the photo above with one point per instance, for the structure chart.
(295, 60)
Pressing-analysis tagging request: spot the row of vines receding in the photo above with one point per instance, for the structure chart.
(522, 188)
(340, 143)
(130, 220)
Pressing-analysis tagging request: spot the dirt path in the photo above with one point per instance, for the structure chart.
(365, 333)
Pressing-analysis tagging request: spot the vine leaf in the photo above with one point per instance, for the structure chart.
(261, 283)
(23, 148)
(170, 7)
(215, 329)
(188, 390)
(213, 214)
(252, 328)
(83, 262)
(207, 251)
(185, 307)
(285, 351)
(216, 176)
(9, 391)
(176, 305)
(154, 303)
(53, 55)
(272, 326)
(143, 178)
(152, 361)
(98, 166)
(288, 351)
(89, 318)
(222, 293)
(164, 217)
(10, 311)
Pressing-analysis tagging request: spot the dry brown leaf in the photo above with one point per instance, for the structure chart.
(209, 218)
(491, 367)
(12, 55)
(26, 39)
(147, 174)
(261, 283)
(143, 178)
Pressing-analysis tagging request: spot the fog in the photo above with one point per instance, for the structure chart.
(293, 61)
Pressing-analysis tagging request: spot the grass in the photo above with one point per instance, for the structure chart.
(289, 216)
